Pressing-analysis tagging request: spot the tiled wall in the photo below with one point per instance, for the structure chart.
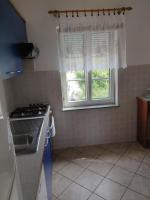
(6, 96)
(9, 98)
(85, 127)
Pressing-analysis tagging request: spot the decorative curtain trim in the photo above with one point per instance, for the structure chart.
(88, 23)
(97, 42)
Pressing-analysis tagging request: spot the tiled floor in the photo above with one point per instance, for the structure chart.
(102, 172)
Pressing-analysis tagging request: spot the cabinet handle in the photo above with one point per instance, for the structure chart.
(19, 71)
(15, 72)
(11, 72)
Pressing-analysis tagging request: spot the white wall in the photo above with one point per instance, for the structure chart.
(41, 27)
(8, 100)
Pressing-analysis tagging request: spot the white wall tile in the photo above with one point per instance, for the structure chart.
(99, 126)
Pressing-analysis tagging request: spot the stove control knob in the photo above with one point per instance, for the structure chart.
(22, 114)
(39, 112)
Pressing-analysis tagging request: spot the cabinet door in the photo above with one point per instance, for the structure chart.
(42, 192)
(13, 31)
(142, 122)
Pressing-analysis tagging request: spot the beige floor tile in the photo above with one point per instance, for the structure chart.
(89, 180)
(91, 151)
(117, 148)
(147, 160)
(128, 163)
(71, 154)
(100, 167)
(59, 184)
(59, 163)
(120, 175)
(110, 157)
(131, 195)
(56, 152)
(144, 170)
(75, 192)
(137, 146)
(141, 185)
(100, 160)
(95, 197)
(83, 161)
(110, 190)
(71, 171)
(147, 152)
(53, 197)
(136, 154)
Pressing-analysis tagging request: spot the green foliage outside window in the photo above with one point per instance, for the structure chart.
(99, 85)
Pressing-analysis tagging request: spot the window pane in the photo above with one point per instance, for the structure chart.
(76, 91)
(100, 74)
(78, 75)
(74, 45)
(100, 89)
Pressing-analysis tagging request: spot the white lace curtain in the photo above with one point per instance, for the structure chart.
(92, 42)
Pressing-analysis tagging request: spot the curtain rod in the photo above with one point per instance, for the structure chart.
(57, 13)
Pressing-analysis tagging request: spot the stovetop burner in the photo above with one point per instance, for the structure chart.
(33, 110)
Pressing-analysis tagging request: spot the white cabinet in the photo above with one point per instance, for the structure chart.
(42, 192)
(7, 153)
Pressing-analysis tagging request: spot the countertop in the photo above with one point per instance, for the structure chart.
(144, 98)
(30, 165)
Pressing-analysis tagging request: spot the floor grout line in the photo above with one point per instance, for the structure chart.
(110, 171)
(73, 181)
(134, 177)
(105, 177)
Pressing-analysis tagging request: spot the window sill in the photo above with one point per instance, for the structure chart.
(90, 107)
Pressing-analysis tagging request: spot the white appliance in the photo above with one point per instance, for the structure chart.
(31, 152)
(9, 183)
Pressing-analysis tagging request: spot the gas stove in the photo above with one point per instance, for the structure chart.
(26, 123)
(33, 110)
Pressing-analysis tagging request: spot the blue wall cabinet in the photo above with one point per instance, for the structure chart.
(12, 31)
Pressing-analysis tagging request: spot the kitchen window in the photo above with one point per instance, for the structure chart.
(91, 50)
(83, 87)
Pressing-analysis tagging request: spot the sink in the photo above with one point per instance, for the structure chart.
(26, 134)
(20, 140)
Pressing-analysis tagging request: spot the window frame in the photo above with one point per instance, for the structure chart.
(89, 103)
